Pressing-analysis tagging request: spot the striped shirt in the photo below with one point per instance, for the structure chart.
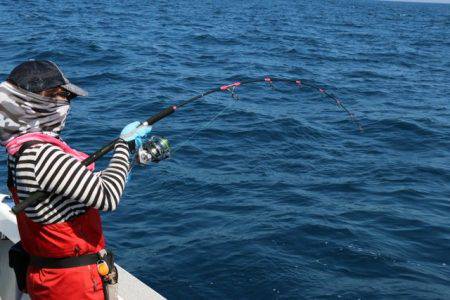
(74, 188)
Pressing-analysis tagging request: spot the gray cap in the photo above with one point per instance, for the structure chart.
(39, 75)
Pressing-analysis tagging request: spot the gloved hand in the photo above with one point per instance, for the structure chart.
(133, 135)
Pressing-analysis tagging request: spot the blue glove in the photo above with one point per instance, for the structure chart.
(134, 132)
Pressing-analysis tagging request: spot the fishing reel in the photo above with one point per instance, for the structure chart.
(154, 150)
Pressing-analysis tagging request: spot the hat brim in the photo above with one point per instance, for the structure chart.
(75, 89)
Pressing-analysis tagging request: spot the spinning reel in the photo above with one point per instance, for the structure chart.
(154, 150)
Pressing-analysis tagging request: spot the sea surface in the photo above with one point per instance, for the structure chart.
(280, 196)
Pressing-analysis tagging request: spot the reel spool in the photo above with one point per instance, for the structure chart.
(154, 150)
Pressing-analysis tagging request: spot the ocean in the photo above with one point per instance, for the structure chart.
(280, 196)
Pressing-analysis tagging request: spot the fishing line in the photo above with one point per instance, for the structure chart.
(205, 125)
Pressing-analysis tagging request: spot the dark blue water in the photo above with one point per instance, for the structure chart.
(281, 197)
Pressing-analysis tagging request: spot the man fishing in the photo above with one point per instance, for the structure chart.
(62, 234)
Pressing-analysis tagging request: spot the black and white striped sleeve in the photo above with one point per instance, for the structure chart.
(60, 173)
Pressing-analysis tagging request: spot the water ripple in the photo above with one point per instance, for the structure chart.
(281, 197)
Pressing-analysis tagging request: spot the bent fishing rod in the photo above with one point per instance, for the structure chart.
(40, 195)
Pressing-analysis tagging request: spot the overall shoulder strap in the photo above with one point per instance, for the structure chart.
(25, 146)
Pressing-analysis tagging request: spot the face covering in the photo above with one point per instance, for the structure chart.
(25, 112)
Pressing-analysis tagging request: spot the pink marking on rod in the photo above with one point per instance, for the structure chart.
(226, 87)
(299, 82)
(174, 107)
(267, 79)
(321, 90)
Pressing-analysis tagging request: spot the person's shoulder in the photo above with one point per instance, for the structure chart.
(44, 150)
(32, 149)
(38, 152)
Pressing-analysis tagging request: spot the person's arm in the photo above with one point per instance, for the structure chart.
(60, 173)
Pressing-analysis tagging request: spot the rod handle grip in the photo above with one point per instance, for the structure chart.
(99, 153)
(32, 199)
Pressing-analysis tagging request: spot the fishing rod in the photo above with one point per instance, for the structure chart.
(40, 195)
